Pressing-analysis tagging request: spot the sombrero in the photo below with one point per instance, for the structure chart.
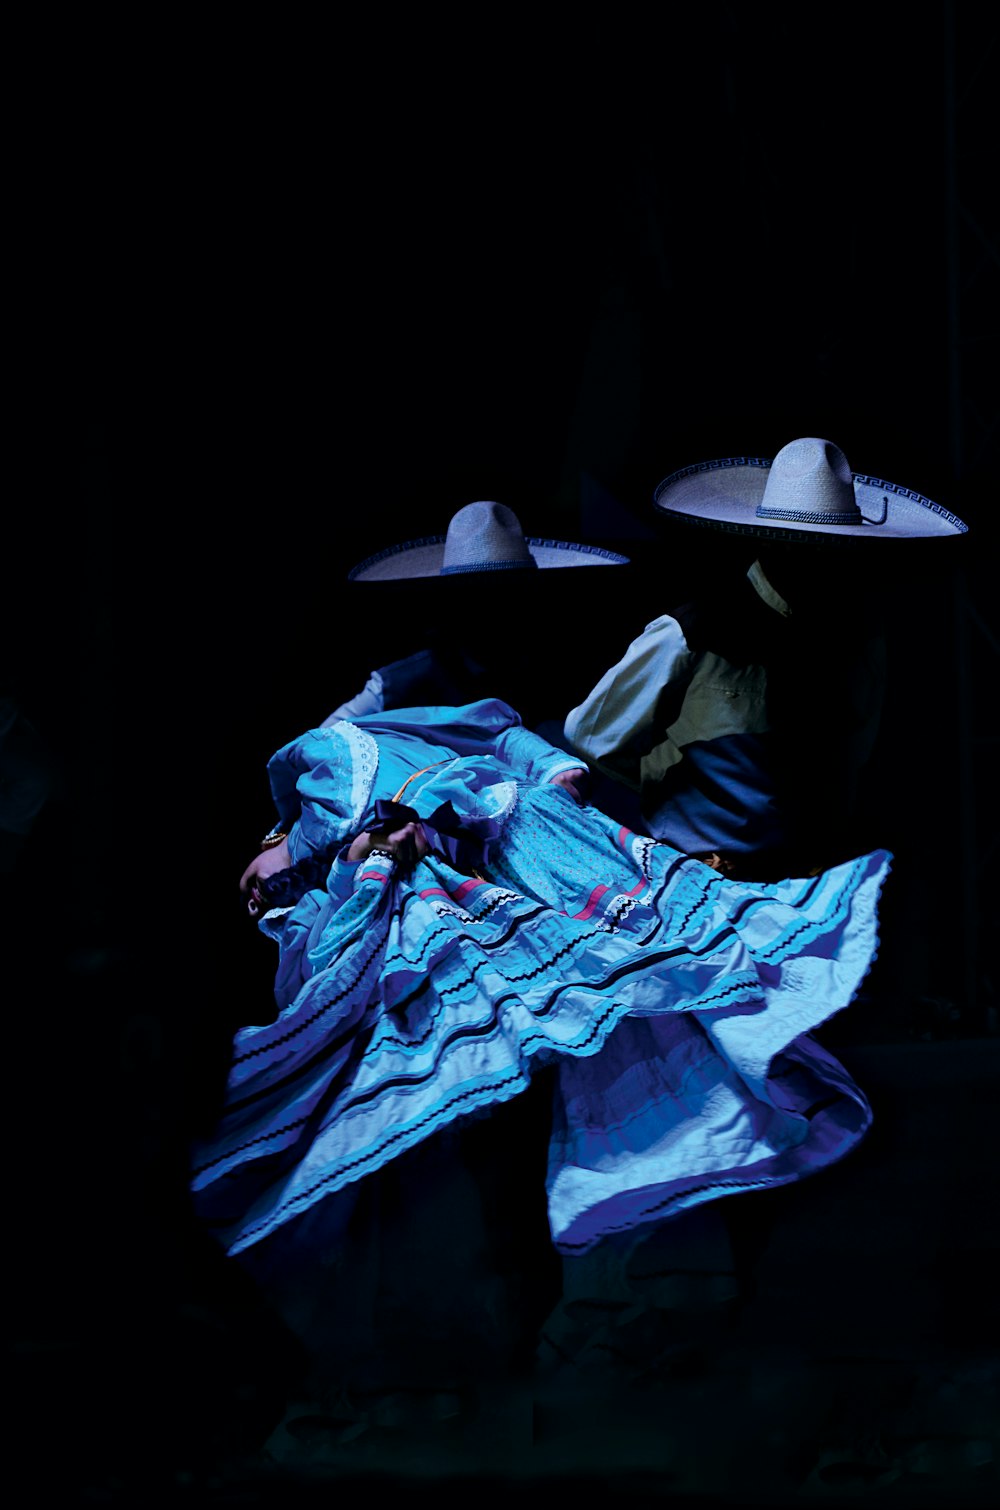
(482, 537)
(807, 490)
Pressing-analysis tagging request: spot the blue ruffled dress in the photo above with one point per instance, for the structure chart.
(674, 1006)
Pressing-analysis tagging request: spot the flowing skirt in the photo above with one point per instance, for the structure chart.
(674, 1006)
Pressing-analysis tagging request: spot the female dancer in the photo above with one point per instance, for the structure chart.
(451, 916)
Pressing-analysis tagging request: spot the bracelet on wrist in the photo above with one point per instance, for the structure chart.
(387, 852)
(276, 836)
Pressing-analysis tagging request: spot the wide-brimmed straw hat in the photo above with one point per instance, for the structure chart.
(482, 537)
(807, 491)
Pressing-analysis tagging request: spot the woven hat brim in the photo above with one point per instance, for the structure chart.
(425, 558)
(725, 494)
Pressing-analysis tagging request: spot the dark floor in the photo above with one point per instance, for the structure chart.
(847, 1353)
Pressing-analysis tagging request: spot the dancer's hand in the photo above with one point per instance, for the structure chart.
(576, 782)
(407, 845)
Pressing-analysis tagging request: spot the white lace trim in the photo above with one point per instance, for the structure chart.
(363, 759)
(441, 908)
(502, 800)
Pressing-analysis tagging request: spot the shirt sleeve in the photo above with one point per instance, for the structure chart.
(371, 699)
(347, 876)
(530, 754)
(627, 712)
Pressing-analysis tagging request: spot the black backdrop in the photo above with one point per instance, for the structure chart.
(288, 301)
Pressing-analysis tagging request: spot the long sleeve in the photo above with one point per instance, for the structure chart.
(320, 784)
(635, 701)
(533, 756)
(485, 727)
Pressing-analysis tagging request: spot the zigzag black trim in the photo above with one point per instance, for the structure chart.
(482, 1029)
(630, 967)
(581, 1043)
(251, 1143)
(334, 1000)
(302, 1026)
(694, 908)
(320, 1011)
(648, 961)
(324, 1051)
(798, 901)
(826, 921)
(479, 917)
(374, 1153)
(467, 980)
(704, 1004)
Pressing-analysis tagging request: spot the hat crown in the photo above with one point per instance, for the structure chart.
(810, 480)
(485, 536)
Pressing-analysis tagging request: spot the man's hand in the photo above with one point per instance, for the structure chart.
(266, 863)
(576, 782)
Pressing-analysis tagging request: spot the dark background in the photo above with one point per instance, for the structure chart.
(283, 300)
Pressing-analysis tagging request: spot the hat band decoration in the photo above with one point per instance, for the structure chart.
(452, 571)
(818, 516)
